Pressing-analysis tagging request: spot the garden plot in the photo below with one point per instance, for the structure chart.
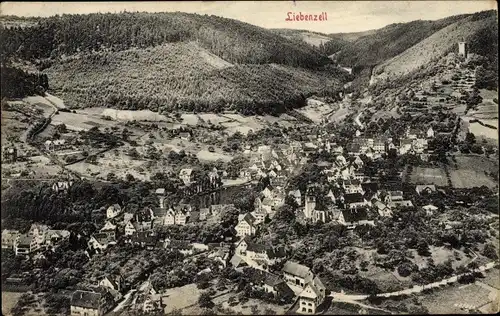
(189, 119)
(422, 175)
(205, 155)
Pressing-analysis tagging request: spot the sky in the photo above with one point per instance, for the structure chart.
(342, 16)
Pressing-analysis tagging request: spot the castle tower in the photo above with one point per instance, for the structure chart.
(462, 49)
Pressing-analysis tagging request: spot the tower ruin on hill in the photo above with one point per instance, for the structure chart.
(462, 49)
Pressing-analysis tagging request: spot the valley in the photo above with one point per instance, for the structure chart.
(178, 163)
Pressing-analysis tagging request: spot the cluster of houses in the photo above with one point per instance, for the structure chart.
(413, 142)
(38, 239)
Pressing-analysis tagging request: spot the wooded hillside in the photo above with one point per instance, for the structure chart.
(232, 40)
(181, 76)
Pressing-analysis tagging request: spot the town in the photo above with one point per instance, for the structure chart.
(380, 202)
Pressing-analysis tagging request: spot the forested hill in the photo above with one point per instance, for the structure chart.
(172, 61)
(379, 45)
(231, 40)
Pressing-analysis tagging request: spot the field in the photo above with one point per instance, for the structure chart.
(470, 171)
(316, 110)
(445, 301)
(180, 297)
(9, 300)
(127, 115)
(470, 178)
(80, 121)
(205, 155)
(421, 175)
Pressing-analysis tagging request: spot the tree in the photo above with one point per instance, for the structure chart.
(489, 251)
(205, 301)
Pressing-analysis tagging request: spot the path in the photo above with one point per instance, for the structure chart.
(357, 121)
(336, 299)
(416, 289)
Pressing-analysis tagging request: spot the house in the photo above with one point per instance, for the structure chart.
(354, 217)
(101, 241)
(185, 136)
(331, 196)
(296, 274)
(429, 209)
(143, 239)
(260, 216)
(425, 188)
(394, 196)
(270, 283)
(113, 211)
(405, 146)
(430, 133)
(400, 203)
(25, 245)
(296, 195)
(62, 186)
(358, 162)
(311, 297)
(246, 225)
(86, 303)
(221, 255)
(354, 201)
(108, 227)
(9, 238)
(187, 176)
(352, 186)
(114, 282)
(53, 237)
(265, 255)
(132, 227)
(177, 216)
(382, 209)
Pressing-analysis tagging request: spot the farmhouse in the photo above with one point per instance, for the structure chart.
(296, 274)
(270, 283)
(90, 303)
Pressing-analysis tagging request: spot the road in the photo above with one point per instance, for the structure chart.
(341, 297)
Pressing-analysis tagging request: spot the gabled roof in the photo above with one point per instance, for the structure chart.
(25, 240)
(249, 218)
(297, 269)
(86, 299)
(353, 198)
(421, 187)
(355, 215)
